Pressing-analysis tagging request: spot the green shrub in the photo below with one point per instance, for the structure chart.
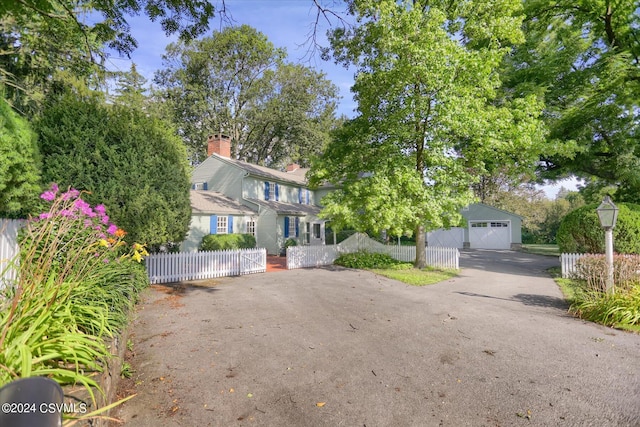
(290, 242)
(366, 260)
(220, 242)
(580, 231)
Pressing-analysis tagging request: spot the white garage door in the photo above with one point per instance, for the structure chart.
(490, 235)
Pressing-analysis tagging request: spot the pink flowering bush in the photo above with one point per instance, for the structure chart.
(72, 239)
(76, 285)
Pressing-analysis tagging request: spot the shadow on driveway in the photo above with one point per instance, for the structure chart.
(528, 299)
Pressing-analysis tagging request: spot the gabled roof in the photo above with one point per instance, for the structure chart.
(212, 202)
(288, 208)
(483, 205)
(298, 177)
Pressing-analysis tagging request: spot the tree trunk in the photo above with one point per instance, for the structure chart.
(421, 249)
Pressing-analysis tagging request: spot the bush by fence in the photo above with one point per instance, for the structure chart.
(580, 231)
(315, 256)
(221, 242)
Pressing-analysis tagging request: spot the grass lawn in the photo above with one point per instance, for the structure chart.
(416, 277)
(551, 250)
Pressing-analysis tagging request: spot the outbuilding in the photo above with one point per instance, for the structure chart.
(486, 227)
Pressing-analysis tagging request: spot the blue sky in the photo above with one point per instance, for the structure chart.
(286, 23)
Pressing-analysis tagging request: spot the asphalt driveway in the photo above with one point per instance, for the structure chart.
(333, 347)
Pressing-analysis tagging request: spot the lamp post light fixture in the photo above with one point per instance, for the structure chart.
(608, 215)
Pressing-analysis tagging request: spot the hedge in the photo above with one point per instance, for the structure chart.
(580, 231)
(219, 242)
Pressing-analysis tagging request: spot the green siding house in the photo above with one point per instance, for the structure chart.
(232, 196)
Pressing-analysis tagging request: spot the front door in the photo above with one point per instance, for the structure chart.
(317, 233)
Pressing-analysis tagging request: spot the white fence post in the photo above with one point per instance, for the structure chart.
(9, 249)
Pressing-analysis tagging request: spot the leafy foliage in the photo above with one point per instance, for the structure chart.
(127, 159)
(368, 260)
(76, 285)
(218, 242)
(582, 61)
(580, 231)
(19, 162)
(237, 83)
(430, 119)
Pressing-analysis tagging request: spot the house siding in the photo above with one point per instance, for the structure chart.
(201, 226)
(320, 193)
(266, 225)
(245, 185)
(197, 230)
(220, 176)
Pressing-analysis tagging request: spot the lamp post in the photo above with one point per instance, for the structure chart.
(608, 214)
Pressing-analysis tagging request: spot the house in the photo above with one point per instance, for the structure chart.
(485, 227)
(232, 196)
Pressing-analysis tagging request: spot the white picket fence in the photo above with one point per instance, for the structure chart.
(8, 249)
(568, 262)
(316, 256)
(176, 267)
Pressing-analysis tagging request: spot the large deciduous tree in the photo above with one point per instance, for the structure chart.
(429, 113)
(583, 60)
(124, 158)
(236, 82)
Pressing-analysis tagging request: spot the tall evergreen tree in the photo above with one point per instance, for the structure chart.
(126, 159)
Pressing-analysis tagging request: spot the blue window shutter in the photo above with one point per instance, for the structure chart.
(286, 226)
(266, 190)
(297, 226)
(300, 195)
(213, 224)
(205, 186)
(193, 186)
(308, 197)
(277, 196)
(230, 224)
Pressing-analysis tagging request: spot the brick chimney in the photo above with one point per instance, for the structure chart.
(220, 145)
(293, 167)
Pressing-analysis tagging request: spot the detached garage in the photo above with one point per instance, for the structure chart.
(486, 227)
(491, 228)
